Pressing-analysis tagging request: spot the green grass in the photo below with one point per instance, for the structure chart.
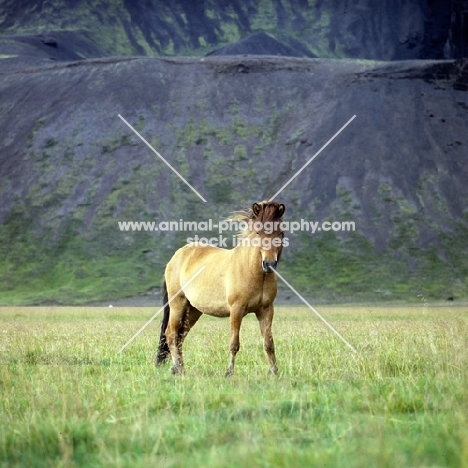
(68, 398)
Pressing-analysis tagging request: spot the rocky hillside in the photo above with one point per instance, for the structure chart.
(236, 128)
(374, 30)
(266, 87)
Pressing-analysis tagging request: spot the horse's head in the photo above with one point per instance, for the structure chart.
(266, 227)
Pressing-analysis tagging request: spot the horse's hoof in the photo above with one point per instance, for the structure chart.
(229, 373)
(177, 370)
(161, 358)
(274, 370)
(160, 362)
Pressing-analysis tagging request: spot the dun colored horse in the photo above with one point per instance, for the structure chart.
(233, 284)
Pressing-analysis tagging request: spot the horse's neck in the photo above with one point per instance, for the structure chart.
(250, 261)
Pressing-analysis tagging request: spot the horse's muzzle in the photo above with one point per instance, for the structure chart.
(266, 266)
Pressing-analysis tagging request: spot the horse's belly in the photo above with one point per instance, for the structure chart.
(215, 311)
(218, 308)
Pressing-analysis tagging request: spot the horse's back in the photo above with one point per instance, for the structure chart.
(190, 258)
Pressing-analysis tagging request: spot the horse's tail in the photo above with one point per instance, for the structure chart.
(163, 349)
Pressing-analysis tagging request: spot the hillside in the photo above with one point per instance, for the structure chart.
(237, 95)
(237, 128)
(383, 30)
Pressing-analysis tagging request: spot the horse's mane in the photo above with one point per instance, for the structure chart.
(269, 211)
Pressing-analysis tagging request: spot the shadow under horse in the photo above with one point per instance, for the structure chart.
(233, 284)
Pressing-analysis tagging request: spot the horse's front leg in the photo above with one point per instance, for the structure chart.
(237, 314)
(265, 319)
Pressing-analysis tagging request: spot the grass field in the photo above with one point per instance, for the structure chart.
(68, 399)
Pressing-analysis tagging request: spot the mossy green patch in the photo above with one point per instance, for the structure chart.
(330, 266)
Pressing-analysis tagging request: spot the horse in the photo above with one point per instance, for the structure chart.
(234, 283)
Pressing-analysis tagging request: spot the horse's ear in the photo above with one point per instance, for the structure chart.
(281, 210)
(256, 209)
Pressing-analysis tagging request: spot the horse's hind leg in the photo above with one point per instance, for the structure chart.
(190, 319)
(265, 319)
(174, 331)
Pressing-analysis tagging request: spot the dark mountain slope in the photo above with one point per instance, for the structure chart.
(237, 128)
(265, 44)
(377, 30)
